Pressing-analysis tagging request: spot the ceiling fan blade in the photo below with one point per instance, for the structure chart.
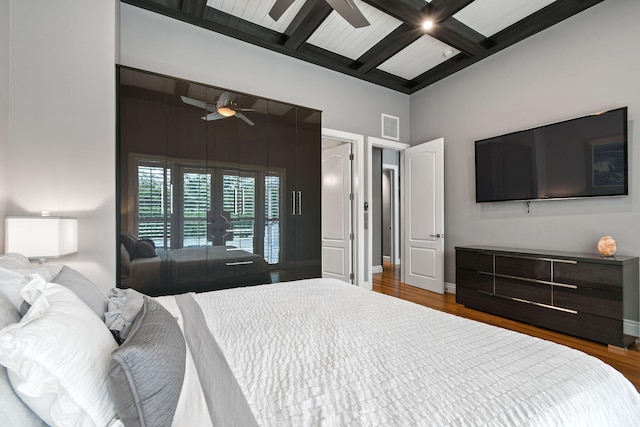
(245, 118)
(197, 103)
(194, 102)
(350, 12)
(213, 116)
(279, 8)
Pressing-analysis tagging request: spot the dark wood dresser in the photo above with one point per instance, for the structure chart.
(585, 295)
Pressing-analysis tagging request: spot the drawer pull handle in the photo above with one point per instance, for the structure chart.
(542, 282)
(535, 258)
(230, 264)
(539, 304)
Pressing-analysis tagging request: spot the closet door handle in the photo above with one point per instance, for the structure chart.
(299, 207)
(293, 203)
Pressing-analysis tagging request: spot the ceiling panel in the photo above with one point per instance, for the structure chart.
(336, 35)
(491, 16)
(257, 12)
(393, 51)
(423, 54)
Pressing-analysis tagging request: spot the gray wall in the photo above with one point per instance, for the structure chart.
(386, 213)
(391, 157)
(61, 114)
(5, 151)
(586, 64)
(156, 43)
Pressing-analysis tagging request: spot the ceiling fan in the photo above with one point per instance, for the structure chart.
(345, 8)
(224, 108)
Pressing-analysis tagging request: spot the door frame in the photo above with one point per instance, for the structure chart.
(395, 211)
(369, 144)
(357, 181)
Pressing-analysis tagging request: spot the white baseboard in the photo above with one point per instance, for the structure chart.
(631, 327)
(376, 269)
(386, 258)
(450, 288)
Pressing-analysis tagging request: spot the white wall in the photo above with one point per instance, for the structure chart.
(586, 64)
(62, 116)
(5, 149)
(156, 43)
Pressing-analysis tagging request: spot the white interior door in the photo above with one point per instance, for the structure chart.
(423, 204)
(336, 213)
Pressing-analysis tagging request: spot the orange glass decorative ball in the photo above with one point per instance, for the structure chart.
(607, 246)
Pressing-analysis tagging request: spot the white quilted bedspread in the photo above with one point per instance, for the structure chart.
(322, 352)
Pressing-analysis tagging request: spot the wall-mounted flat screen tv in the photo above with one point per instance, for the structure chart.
(583, 157)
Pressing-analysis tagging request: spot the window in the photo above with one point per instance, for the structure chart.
(178, 216)
(154, 196)
(239, 202)
(272, 219)
(196, 197)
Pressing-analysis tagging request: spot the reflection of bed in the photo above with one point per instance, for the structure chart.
(196, 270)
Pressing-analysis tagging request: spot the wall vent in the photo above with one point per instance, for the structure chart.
(390, 127)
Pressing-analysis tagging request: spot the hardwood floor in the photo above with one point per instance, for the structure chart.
(625, 361)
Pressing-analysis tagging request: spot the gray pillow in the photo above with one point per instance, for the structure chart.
(125, 261)
(146, 248)
(83, 288)
(13, 412)
(129, 241)
(147, 371)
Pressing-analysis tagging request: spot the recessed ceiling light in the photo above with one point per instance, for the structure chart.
(427, 24)
(447, 53)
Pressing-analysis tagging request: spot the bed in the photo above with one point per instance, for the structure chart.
(195, 269)
(304, 353)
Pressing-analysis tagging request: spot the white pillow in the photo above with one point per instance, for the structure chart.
(14, 261)
(16, 271)
(19, 263)
(11, 283)
(58, 357)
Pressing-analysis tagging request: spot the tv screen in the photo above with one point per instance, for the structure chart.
(583, 157)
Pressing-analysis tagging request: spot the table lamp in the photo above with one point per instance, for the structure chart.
(41, 237)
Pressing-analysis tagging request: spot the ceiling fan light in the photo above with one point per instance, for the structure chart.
(226, 111)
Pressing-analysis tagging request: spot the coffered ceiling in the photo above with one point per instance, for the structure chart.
(394, 50)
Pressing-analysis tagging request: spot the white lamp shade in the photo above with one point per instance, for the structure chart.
(41, 237)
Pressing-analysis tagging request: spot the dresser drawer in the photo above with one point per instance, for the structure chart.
(474, 261)
(524, 290)
(523, 267)
(473, 280)
(593, 301)
(590, 275)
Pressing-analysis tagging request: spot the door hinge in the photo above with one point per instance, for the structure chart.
(351, 156)
(352, 277)
(351, 197)
(351, 236)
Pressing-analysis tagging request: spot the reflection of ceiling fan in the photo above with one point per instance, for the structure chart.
(345, 8)
(225, 107)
